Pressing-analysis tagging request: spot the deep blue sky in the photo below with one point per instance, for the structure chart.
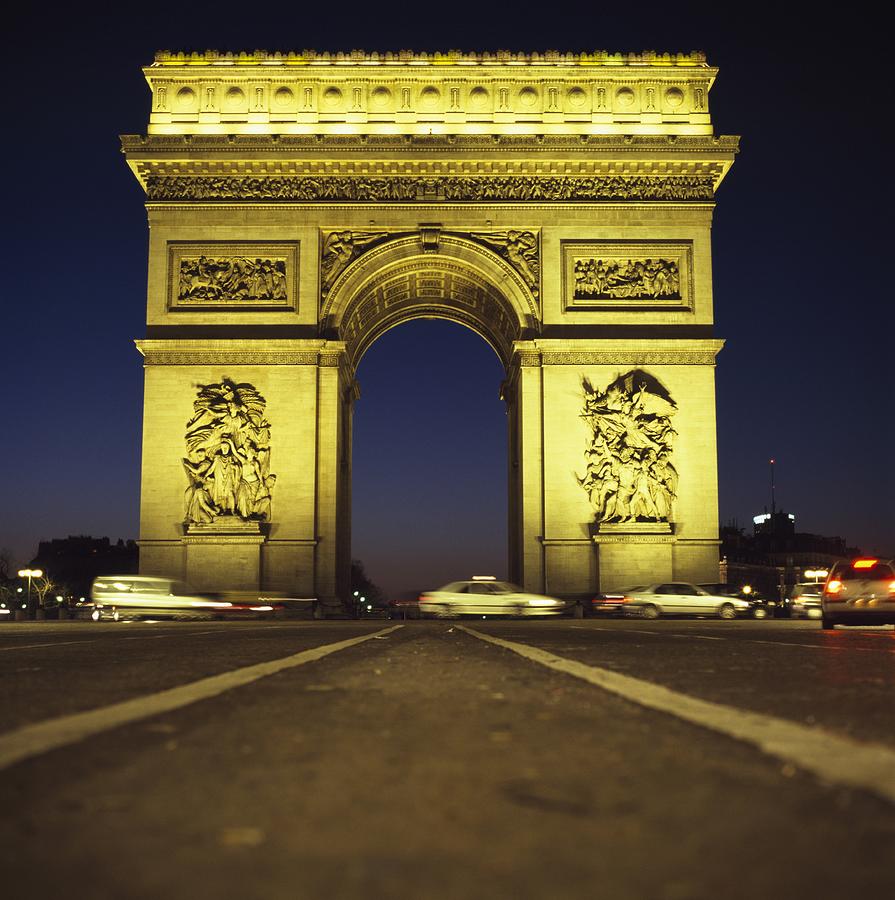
(803, 290)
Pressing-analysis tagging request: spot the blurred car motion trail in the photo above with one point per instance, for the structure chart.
(486, 596)
(129, 596)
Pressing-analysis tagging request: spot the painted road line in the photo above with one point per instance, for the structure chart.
(699, 637)
(53, 644)
(820, 646)
(835, 759)
(32, 740)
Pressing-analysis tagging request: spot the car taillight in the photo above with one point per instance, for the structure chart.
(892, 587)
(864, 563)
(833, 587)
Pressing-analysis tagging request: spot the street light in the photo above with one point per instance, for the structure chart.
(29, 574)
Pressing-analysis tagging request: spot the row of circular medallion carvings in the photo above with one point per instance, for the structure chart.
(439, 288)
(443, 97)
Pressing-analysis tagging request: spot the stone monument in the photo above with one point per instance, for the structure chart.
(301, 204)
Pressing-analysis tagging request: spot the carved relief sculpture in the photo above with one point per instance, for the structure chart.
(231, 279)
(228, 455)
(626, 279)
(630, 476)
(342, 247)
(519, 249)
(471, 188)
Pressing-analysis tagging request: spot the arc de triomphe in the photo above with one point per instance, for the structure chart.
(302, 204)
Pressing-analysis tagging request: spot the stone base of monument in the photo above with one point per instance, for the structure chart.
(633, 553)
(224, 554)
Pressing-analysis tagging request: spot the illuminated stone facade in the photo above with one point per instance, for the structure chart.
(302, 204)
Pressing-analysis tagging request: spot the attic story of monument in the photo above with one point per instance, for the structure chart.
(300, 205)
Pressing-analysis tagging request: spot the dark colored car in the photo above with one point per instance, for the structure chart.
(611, 603)
(859, 592)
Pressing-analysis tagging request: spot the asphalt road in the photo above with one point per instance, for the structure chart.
(556, 759)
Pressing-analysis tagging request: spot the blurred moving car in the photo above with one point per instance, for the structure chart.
(610, 603)
(404, 608)
(127, 596)
(683, 599)
(760, 607)
(859, 592)
(484, 595)
(804, 601)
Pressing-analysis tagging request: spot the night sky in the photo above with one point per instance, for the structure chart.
(802, 277)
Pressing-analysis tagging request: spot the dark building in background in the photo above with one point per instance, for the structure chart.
(775, 556)
(74, 562)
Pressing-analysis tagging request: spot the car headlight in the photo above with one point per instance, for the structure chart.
(544, 602)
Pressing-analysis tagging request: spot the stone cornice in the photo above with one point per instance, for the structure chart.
(531, 141)
(399, 169)
(218, 59)
(241, 352)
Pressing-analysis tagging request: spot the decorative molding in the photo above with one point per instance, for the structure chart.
(619, 357)
(651, 527)
(634, 539)
(221, 59)
(234, 353)
(226, 539)
(448, 188)
(232, 276)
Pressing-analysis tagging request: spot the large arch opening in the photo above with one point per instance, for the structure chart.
(429, 480)
(401, 302)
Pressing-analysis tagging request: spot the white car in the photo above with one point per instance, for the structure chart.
(120, 596)
(682, 599)
(486, 596)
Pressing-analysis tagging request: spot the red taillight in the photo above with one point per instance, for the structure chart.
(892, 587)
(833, 587)
(864, 563)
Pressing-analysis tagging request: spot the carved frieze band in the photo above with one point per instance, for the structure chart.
(601, 358)
(161, 352)
(376, 188)
(231, 358)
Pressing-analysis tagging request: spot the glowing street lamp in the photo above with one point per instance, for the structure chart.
(29, 574)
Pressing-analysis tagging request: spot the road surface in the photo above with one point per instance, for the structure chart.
(447, 759)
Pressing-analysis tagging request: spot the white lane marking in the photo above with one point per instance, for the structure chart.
(820, 646)
(53, 644)
(143, 637)
(837, 760)
(32, 740)
(705, 637)
(700, 637)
